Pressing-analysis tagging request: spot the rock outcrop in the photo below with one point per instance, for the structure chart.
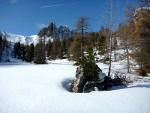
(80, 84)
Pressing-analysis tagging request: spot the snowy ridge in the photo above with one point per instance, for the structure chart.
(146, 8)
(27, 40)
(139, 9)
(59, 32)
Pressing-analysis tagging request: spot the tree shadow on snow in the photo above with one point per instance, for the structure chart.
(66, 83)
(125, 86)
(118, 87)
(141, 86)
(59, 63)
(3, 64)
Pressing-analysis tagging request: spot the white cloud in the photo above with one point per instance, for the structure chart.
(57, 5)
(66, 25)
(40, 26)
(13, 1)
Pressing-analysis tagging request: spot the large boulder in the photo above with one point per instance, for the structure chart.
(101, 77)
(96, 85)
(78, 85)
(89, 86)
(79, 82)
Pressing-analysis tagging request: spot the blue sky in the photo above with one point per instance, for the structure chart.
(27, 17)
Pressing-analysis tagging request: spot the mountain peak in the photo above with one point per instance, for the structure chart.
(56, 32)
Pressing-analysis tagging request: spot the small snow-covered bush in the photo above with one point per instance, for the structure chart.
(120, 78)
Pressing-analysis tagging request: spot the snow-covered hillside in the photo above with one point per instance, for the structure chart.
(27, 40)
(28, 88)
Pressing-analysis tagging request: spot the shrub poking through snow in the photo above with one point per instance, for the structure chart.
(88, 71)
(89, 66)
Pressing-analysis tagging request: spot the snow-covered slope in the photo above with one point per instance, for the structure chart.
(43, 89)
(27, 40)
(32, 39)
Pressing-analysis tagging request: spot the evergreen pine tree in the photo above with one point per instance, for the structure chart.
(89, 66)
(17, 50)
(23, 52)
(56, 49)
(1, 48)
(39, 57)
(102, 45)
(31, 52)
(48, 48)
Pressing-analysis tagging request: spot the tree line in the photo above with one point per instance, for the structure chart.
(134, 33)
(61, 48)
(4, 48)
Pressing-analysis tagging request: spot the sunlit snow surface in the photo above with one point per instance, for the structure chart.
(29, 88)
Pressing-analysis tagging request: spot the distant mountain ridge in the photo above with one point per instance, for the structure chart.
(27, 40)
(55, 32)
(52, 33)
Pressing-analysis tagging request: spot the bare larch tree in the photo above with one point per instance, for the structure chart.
(81, 26)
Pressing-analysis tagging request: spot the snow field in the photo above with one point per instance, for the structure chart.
(28, 88)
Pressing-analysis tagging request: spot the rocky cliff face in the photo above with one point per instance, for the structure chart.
(140, 12)
(57, 32)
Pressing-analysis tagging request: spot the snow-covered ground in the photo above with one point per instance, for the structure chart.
(29, 88)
